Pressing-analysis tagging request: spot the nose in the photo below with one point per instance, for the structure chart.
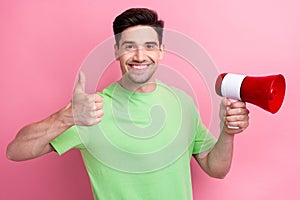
(139, 55)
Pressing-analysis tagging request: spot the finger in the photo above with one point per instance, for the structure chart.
(238, 104)
(98, 106)
(236, 118)
(234, 124)
(99, 113)
(80, 85)
(98, 98)
(237, 111)
(225, 102)
(240, 124)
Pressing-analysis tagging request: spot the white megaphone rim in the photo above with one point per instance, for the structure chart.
(231, 86)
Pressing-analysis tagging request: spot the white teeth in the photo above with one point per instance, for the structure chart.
(139, 66)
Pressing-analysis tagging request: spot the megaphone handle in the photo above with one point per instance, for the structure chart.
(232, 127)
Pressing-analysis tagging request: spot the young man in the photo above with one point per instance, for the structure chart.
(158, 145)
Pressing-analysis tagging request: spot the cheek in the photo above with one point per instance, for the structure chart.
(123, 59)
(125, 56)
(155, 56)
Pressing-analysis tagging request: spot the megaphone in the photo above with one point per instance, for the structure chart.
(267, 92)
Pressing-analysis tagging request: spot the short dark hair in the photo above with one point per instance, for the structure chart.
(134, 17)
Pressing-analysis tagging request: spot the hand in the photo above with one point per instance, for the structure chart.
(87, 108)
(234, 114)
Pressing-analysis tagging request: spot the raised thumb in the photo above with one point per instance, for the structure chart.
(80, 85)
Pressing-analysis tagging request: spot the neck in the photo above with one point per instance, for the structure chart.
(147, 87)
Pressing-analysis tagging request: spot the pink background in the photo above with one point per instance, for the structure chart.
(43, 43)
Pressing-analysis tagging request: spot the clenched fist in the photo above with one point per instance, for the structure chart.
(234, 116)
(86, 108)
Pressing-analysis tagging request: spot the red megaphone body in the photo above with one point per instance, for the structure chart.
(266, 92)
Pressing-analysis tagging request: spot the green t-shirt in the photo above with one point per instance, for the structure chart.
(142, 147)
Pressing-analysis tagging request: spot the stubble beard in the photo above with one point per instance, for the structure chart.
(141, 78)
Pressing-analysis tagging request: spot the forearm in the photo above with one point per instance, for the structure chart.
(219, 160)
(34, 140)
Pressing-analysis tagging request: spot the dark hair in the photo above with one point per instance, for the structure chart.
(134, 17)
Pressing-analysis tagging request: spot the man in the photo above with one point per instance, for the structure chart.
(126, 122)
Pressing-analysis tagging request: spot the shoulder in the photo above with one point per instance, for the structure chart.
(186, 101)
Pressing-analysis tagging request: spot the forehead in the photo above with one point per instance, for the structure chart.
(139, 34)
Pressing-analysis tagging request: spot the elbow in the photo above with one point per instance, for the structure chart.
(219, 174)
(220, 171)
(10, 155)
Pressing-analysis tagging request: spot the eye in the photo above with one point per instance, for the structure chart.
(150, 46)
(129, 47)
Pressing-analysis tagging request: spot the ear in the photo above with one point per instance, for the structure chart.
(161, 51)
(116, 52)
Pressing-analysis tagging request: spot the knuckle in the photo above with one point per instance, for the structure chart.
(227, 112)
(99, 106)
(101, 113)
(240, 110)
(227, 118)
(243, 118)
(98, 97)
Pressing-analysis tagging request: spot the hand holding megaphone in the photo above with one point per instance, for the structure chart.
(267, 92)
(234, 115)
(86, 108)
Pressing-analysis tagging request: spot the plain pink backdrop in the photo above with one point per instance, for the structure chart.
(43, 43)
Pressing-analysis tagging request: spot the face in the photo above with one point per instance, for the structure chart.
(139, 53)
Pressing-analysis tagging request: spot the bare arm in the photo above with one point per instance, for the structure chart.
(34, 140)
(217, 162)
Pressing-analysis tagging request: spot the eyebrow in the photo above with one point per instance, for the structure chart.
(132, 42)
(155, 43)
(127, 42)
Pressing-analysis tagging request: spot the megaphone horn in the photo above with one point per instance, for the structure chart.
(266, 92)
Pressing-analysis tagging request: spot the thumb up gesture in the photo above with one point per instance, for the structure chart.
(87, 108)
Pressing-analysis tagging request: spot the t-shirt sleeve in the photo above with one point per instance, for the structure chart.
(204, 140)
(67, 140)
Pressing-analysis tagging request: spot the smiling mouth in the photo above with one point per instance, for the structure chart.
(138, 66)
